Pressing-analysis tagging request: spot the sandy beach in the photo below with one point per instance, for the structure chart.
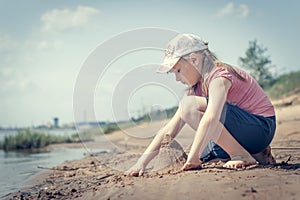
(101, 176)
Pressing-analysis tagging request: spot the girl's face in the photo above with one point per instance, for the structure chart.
(186, 73)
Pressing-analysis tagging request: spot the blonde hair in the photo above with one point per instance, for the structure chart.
(209, 61)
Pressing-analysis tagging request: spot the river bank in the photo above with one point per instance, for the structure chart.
(101, 176)
(19, 167)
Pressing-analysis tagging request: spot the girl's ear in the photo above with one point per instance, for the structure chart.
(195, 58)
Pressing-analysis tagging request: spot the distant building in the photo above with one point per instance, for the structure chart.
(55, 122)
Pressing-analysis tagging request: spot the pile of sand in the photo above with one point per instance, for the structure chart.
(171, 156)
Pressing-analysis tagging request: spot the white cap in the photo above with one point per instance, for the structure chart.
(181, 45)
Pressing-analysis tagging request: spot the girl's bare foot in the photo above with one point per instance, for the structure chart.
(191, 166)
(265, 157)
(240, 162)
(136, 170)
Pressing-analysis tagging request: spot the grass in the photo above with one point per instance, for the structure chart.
(156, 115)
(109, 128)
(30, 140)
(284, 84)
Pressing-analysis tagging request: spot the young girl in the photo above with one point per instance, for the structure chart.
(232, 116)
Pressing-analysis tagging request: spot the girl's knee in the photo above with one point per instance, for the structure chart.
(188, 107)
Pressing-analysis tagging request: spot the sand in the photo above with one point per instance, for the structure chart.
(101, 176)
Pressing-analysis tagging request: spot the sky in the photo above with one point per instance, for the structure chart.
(46, 46)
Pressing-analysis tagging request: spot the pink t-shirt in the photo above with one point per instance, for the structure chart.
(247, 95)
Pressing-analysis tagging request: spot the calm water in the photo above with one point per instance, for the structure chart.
(16, 168)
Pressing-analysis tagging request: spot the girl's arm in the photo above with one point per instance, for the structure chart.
(209, 128)
(172, 128)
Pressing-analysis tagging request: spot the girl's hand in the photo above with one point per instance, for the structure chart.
(136, 170)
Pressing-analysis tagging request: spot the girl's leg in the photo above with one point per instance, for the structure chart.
(240, 157)
(192, 110)
(213, 151)
(265, 157)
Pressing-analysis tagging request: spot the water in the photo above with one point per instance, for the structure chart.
(17, 168)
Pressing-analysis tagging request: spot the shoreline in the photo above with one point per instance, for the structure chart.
(101, 176)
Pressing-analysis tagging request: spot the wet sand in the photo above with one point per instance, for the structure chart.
(101, 176)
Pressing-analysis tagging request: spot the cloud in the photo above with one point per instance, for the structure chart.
(6, 43)
(241, 10)
(13, 83)
(48, 45)
(59, 20)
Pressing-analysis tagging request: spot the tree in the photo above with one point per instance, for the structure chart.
(258, 64)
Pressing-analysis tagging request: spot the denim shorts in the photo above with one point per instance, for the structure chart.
(253, 132)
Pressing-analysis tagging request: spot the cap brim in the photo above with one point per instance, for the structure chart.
(167, 65)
